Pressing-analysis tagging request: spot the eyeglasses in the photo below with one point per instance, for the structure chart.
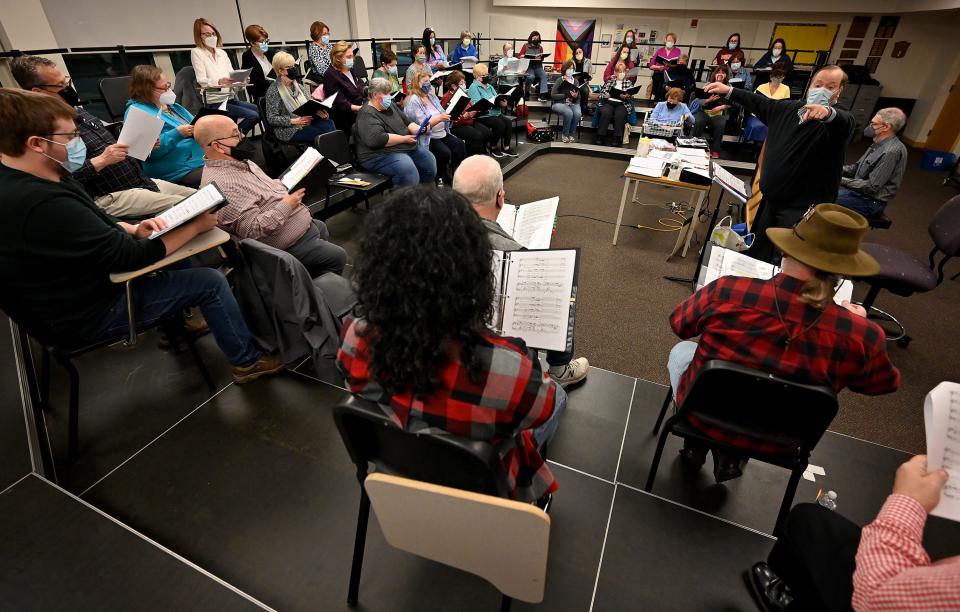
(73, 134)
(237, 135)
(66, 83)
(162, 89)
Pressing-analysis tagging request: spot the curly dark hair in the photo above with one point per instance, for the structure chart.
(423, 280)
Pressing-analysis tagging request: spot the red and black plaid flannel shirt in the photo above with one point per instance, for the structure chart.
(737, 321)
(512, 396)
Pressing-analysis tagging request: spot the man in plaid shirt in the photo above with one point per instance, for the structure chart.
(116, 182)
(811, 565)
(774, 325)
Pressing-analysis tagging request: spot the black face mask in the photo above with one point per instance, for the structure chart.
(483, 80)
(535, 41)
(293, 73)
(243, 150)
(671, 105)
(69, 95)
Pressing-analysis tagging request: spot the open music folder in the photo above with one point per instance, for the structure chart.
(311, 171)
(941, 419)
(535, 296)
(719, 261)
(204, 200)
(530, 224)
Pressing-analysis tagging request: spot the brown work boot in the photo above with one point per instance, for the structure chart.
(264, 366)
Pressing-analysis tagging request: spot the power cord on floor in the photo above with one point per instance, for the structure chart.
(669, 224)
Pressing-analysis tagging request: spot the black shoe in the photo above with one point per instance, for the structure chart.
(769, 590)
(693, 457)
(726, 467)
(598, 141)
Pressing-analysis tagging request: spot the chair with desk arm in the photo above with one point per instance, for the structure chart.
(756, 405)
(442, 497)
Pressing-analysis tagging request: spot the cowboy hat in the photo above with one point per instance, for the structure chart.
(827, 238)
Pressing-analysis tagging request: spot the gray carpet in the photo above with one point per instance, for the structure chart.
(624, 301)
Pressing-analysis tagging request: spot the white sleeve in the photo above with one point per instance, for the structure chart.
(204, 79)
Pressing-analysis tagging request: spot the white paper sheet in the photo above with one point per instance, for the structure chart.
(507, 218)
(140, 132)
(941, 416)
(304, 164)
(203, 200)
(533, 227)
(646, 166)
(240, 75)
(537, 306)
(730, 181)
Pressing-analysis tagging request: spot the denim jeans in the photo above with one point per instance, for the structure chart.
(308, 133)
(680, 357)
(545, 432)
(174, 290)
(244, 111)
(571, 116)
(868, 207)
(537, 73)
(418, 166)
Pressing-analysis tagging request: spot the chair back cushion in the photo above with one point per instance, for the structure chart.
(333, 145)
(759, 406)
(503, 541)
(435, 457)
(115, 92)
(945, 227)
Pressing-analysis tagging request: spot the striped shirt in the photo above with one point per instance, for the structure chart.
(255, 207)
(894, 571)
(879, 171)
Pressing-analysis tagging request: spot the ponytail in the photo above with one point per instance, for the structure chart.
(819, 289)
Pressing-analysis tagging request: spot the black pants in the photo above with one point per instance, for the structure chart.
(317, 253)
(500, 128)
(617, 112)
(771, 214)
(475, 137)
(815, 555)
(717, 126)
(449, 152)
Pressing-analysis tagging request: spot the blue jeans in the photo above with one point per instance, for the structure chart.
(308, 133)
(571, 116)
(545, 432)
(174, 290)
(868, 207)
(680, 357)
(418, 166)
(246, 113)
(535, 73)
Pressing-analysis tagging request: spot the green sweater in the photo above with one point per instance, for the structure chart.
(57, 250)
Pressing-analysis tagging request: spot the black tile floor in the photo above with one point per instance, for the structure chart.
(14, 450)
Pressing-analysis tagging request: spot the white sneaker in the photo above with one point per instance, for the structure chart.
(570, 374)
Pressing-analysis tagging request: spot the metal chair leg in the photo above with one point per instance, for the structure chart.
(73, 424)
(204, 372)
(45, 380)
(788, 496)
(663, 410)
(363, 515)
(656, 458)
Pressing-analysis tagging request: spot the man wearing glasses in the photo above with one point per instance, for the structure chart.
(116, 182)
(867, 185)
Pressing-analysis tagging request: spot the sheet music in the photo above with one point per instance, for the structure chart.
(328, 101)
(496, 265)
(538, 291)
(730, 181)
(140, 132)
(453, 101)
(240, 75)
(646, 166)
(533, 224)
(304, 164)
(203, 200)
(941, 416)
(507, 218)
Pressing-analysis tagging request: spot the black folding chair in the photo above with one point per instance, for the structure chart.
(762, 407)
(115, 92)
(334, 146)
(372, 438)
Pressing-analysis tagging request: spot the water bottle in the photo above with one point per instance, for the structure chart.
(828, 500)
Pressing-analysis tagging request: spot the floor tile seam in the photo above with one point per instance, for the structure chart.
(626, 425)
(603, 548)
(159, 546)
(148, 444)
(28, 475)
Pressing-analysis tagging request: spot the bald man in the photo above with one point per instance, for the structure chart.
(803, 155)
(480, 181)
(258, 206)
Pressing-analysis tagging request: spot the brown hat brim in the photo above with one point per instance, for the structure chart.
(860, 263)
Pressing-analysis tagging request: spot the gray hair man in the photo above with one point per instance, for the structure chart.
(869, 184)
(116, 182)
(479, 180)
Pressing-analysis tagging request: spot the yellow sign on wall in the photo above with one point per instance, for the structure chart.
(807, 36)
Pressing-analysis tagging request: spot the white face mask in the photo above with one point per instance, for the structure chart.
(776, 52)
(168, 97)
(210, 41)
(735, 66)
(509, 52)
(668, 44)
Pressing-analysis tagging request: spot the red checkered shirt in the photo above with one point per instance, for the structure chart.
(511, 397)
(737, 321)
(894, 571)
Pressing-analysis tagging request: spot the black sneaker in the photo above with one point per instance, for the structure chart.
(496, 152)
(509, 152)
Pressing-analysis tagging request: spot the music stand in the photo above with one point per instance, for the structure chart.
(725, 186)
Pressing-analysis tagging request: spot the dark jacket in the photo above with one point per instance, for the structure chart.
(350, 92)
(257, 78)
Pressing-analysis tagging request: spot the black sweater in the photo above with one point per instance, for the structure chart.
(802, 163)
(57, 250)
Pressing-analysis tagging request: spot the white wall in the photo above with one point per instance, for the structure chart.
(818, 6)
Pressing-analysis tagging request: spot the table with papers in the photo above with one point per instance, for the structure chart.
(650, 170)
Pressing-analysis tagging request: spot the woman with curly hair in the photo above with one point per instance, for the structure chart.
(421, 346)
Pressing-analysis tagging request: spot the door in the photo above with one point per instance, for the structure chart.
(810, 37)
(946, 130)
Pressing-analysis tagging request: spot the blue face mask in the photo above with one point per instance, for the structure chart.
(732, 46)
(819, 95)
(325, 39)
(569, 72)
(425, 88)
(76, 154)
(348, 63)
(386, 102)
(422, 59)
(263, 47)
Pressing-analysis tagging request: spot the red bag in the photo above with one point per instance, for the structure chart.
(521, 110)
